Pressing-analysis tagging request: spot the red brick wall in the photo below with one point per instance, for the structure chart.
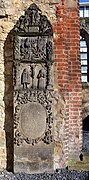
(67, 58)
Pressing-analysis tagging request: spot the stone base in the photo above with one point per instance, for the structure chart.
(33, 159)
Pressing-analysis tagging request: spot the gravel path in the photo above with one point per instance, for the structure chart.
(57, 175)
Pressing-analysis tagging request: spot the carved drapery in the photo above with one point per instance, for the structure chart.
(33, 76)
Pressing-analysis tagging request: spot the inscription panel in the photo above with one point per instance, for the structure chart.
(33, 120)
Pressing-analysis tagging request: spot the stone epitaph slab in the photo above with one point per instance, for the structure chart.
(33, 89)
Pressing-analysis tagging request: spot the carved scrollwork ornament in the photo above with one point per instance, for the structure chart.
(48, 138)
(40, 97)
(18, 138)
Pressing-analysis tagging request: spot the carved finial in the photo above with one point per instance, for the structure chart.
(63, 2)
(33, 6)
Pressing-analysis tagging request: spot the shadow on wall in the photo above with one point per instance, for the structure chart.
(8, 98)
(86, 124)
(86, 134)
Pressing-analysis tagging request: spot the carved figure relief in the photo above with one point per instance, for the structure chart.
(33, 87)
(32, 48)
(41, 79)
(25, 78)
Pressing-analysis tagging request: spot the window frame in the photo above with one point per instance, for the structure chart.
(84, 74)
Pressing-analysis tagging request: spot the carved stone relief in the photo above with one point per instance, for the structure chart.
(33, 79)
(33, 113)
(34, 21)
(34, 49)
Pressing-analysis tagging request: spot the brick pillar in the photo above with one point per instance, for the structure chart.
(75, 88)
(67, 58)
(61, 58)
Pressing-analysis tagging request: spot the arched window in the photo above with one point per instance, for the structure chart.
(84, 40)
(83, 56)
(84, 53)
(84, 11)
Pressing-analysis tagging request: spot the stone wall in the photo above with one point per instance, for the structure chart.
(64, 17)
